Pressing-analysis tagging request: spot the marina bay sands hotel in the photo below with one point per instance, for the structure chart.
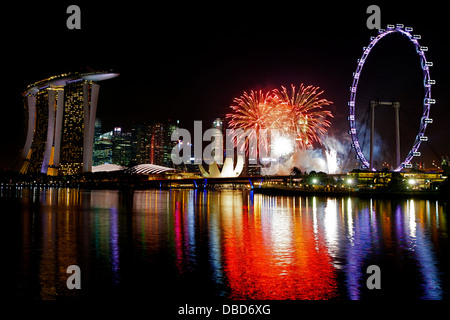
(60, 118)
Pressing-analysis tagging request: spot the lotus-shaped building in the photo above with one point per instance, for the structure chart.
(228, 169)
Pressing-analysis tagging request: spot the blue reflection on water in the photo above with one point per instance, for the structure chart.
(114, 244)
(365, 235)
(422, 248)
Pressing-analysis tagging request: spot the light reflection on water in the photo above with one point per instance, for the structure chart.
(234, 244)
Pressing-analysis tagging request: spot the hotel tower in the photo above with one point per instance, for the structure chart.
(60, 117)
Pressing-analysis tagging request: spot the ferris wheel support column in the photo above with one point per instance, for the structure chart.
(372, 130)
(396, 105)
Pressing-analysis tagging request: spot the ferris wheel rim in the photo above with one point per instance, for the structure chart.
(427, 101)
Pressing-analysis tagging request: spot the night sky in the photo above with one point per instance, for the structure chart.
(189, 61)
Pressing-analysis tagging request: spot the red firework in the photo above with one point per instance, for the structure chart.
(253, 114)
(295, 113)
(303, 116)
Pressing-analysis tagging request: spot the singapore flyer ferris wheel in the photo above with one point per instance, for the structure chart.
(368, 162)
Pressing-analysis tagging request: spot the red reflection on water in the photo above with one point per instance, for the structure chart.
(178, 236)
(256, 269)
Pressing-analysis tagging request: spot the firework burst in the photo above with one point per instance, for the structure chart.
(256, 111)
(298, 113)
(303, 115)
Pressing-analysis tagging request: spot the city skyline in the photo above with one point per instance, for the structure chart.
(193, 70)
(144, 143)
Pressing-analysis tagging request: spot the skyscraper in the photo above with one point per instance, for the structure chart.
(103, 146)
(157, 143)
(141, 137)
(60, 117)
(169, 144)
(121, 147)
(152, 142)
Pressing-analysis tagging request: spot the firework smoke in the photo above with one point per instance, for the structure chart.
(331, 157)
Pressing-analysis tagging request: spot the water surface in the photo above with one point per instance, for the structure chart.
(166, 244)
